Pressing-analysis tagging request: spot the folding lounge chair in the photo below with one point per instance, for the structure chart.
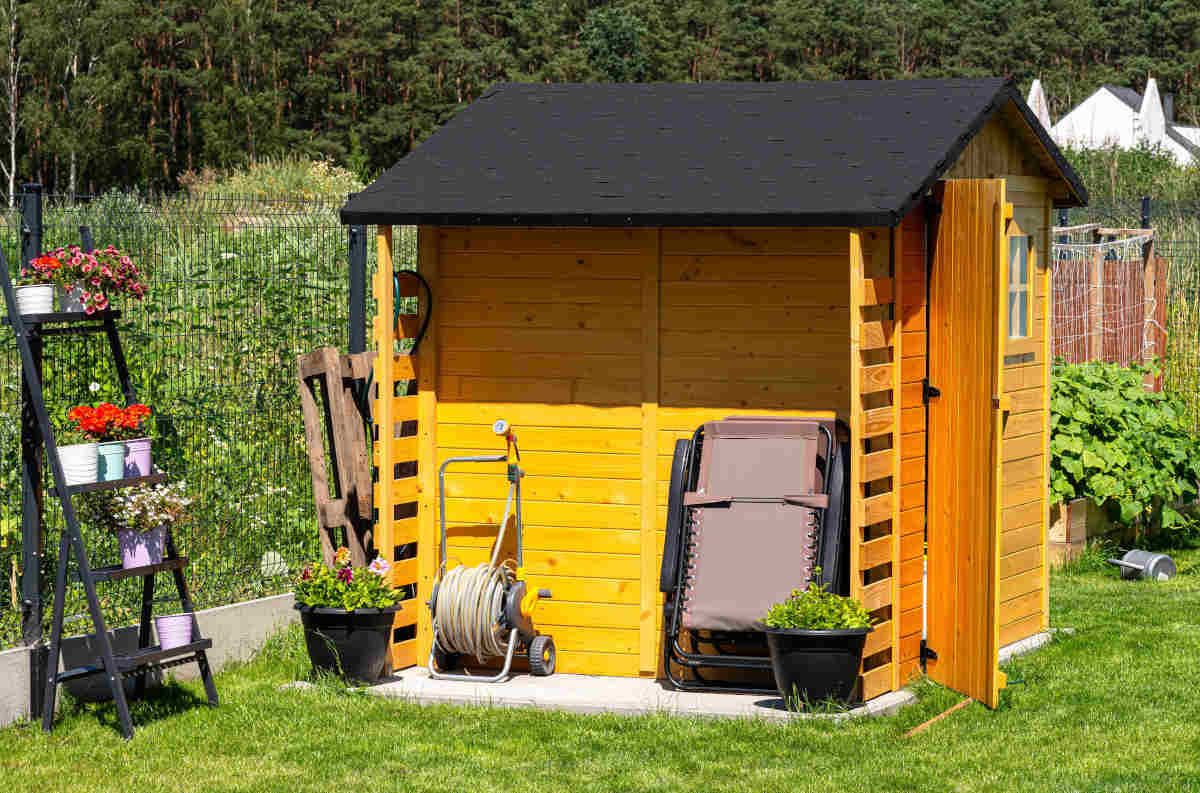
(755, 504)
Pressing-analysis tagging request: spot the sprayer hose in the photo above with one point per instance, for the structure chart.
(469, 607)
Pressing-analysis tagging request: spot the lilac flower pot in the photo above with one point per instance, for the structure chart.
(137, 457)
(141, 548)
(174, 630)
(112, 461)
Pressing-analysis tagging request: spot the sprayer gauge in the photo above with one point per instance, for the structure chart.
(500, 427)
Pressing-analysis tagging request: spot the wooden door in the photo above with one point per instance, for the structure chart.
(964, 430)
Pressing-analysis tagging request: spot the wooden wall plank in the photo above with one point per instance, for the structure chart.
(651, 280)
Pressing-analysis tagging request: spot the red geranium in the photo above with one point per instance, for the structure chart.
(107, 422)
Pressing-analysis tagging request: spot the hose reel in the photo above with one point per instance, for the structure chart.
(486, 611)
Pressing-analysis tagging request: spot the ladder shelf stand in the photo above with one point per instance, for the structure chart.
(30, 329)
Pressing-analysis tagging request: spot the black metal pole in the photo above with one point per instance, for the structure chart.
(357, 337)
(32, 538)
(1145, 211)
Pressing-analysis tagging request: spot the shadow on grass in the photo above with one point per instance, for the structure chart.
(162, 702)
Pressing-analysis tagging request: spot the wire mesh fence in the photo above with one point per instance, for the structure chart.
(1108, 298)
(237, 289)
(1176, 227)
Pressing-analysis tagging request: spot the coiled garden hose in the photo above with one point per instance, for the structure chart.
(468, 608)
(363, 397)
(468, 602)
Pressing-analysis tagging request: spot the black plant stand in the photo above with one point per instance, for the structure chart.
(30, 330)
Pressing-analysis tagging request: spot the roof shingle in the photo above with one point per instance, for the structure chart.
(818, 153)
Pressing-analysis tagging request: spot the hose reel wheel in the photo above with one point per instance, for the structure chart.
(542, 655)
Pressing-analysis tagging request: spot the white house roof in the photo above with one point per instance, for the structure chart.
(1116, 115)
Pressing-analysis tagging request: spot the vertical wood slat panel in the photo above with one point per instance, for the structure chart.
(384, 374)
(868, 382)
(427, 360)
(647, 624)
(990, 666)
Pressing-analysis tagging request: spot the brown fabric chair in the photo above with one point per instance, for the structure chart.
(746, 525)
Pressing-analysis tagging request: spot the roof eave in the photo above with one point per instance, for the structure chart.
(1079, 194)
(881, 217)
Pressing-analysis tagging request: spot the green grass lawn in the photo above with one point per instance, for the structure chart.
(1116, 706)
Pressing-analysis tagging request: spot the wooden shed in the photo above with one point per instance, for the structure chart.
(613, 265)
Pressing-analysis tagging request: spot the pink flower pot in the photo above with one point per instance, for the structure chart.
(141, 548)
(137, 457)
(174, 630)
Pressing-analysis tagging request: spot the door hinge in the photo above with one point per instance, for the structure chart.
(927, 653)
(928, 391)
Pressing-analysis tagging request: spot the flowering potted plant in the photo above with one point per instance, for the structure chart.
(141, 516)
(816, 639)
(35, 294)
(347, 616)
(87, 279)
(123, 450)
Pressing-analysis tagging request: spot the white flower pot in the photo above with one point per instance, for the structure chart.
(80, 462)
(35, 298)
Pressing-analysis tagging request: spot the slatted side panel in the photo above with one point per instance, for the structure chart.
(876, 387)
(543, 328)
(395, 453)
(1024, 516)
(913, 368)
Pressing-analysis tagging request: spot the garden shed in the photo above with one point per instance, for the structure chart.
(613, 265)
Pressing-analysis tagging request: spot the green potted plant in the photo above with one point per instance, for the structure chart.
(347, 614)
(816, 640)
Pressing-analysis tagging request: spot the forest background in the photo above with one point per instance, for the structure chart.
(103, 94)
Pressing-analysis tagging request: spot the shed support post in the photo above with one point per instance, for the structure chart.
(427, 516)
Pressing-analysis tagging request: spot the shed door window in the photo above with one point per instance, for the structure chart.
(1018, 287)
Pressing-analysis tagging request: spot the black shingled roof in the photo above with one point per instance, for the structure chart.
(850, 153)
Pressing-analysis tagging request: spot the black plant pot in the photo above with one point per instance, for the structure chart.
(352, 644)
(814, 666)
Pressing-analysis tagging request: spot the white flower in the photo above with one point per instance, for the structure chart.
(94, 387)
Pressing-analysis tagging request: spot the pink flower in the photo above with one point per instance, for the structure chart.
(90, 310)
(346, 575)
(95, 282)
(379, 566)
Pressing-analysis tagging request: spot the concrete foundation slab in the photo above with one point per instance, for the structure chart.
(620, 695)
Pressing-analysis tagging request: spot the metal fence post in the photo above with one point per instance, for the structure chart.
(357, 337)
(1145, 211)
(31, 475)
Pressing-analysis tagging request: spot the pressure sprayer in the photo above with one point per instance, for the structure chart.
(487, 611)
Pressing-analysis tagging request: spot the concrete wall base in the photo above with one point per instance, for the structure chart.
(237, 630)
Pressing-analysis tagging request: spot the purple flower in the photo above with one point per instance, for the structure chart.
(345, 575)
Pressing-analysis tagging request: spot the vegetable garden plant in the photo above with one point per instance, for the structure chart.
(1115, 443)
